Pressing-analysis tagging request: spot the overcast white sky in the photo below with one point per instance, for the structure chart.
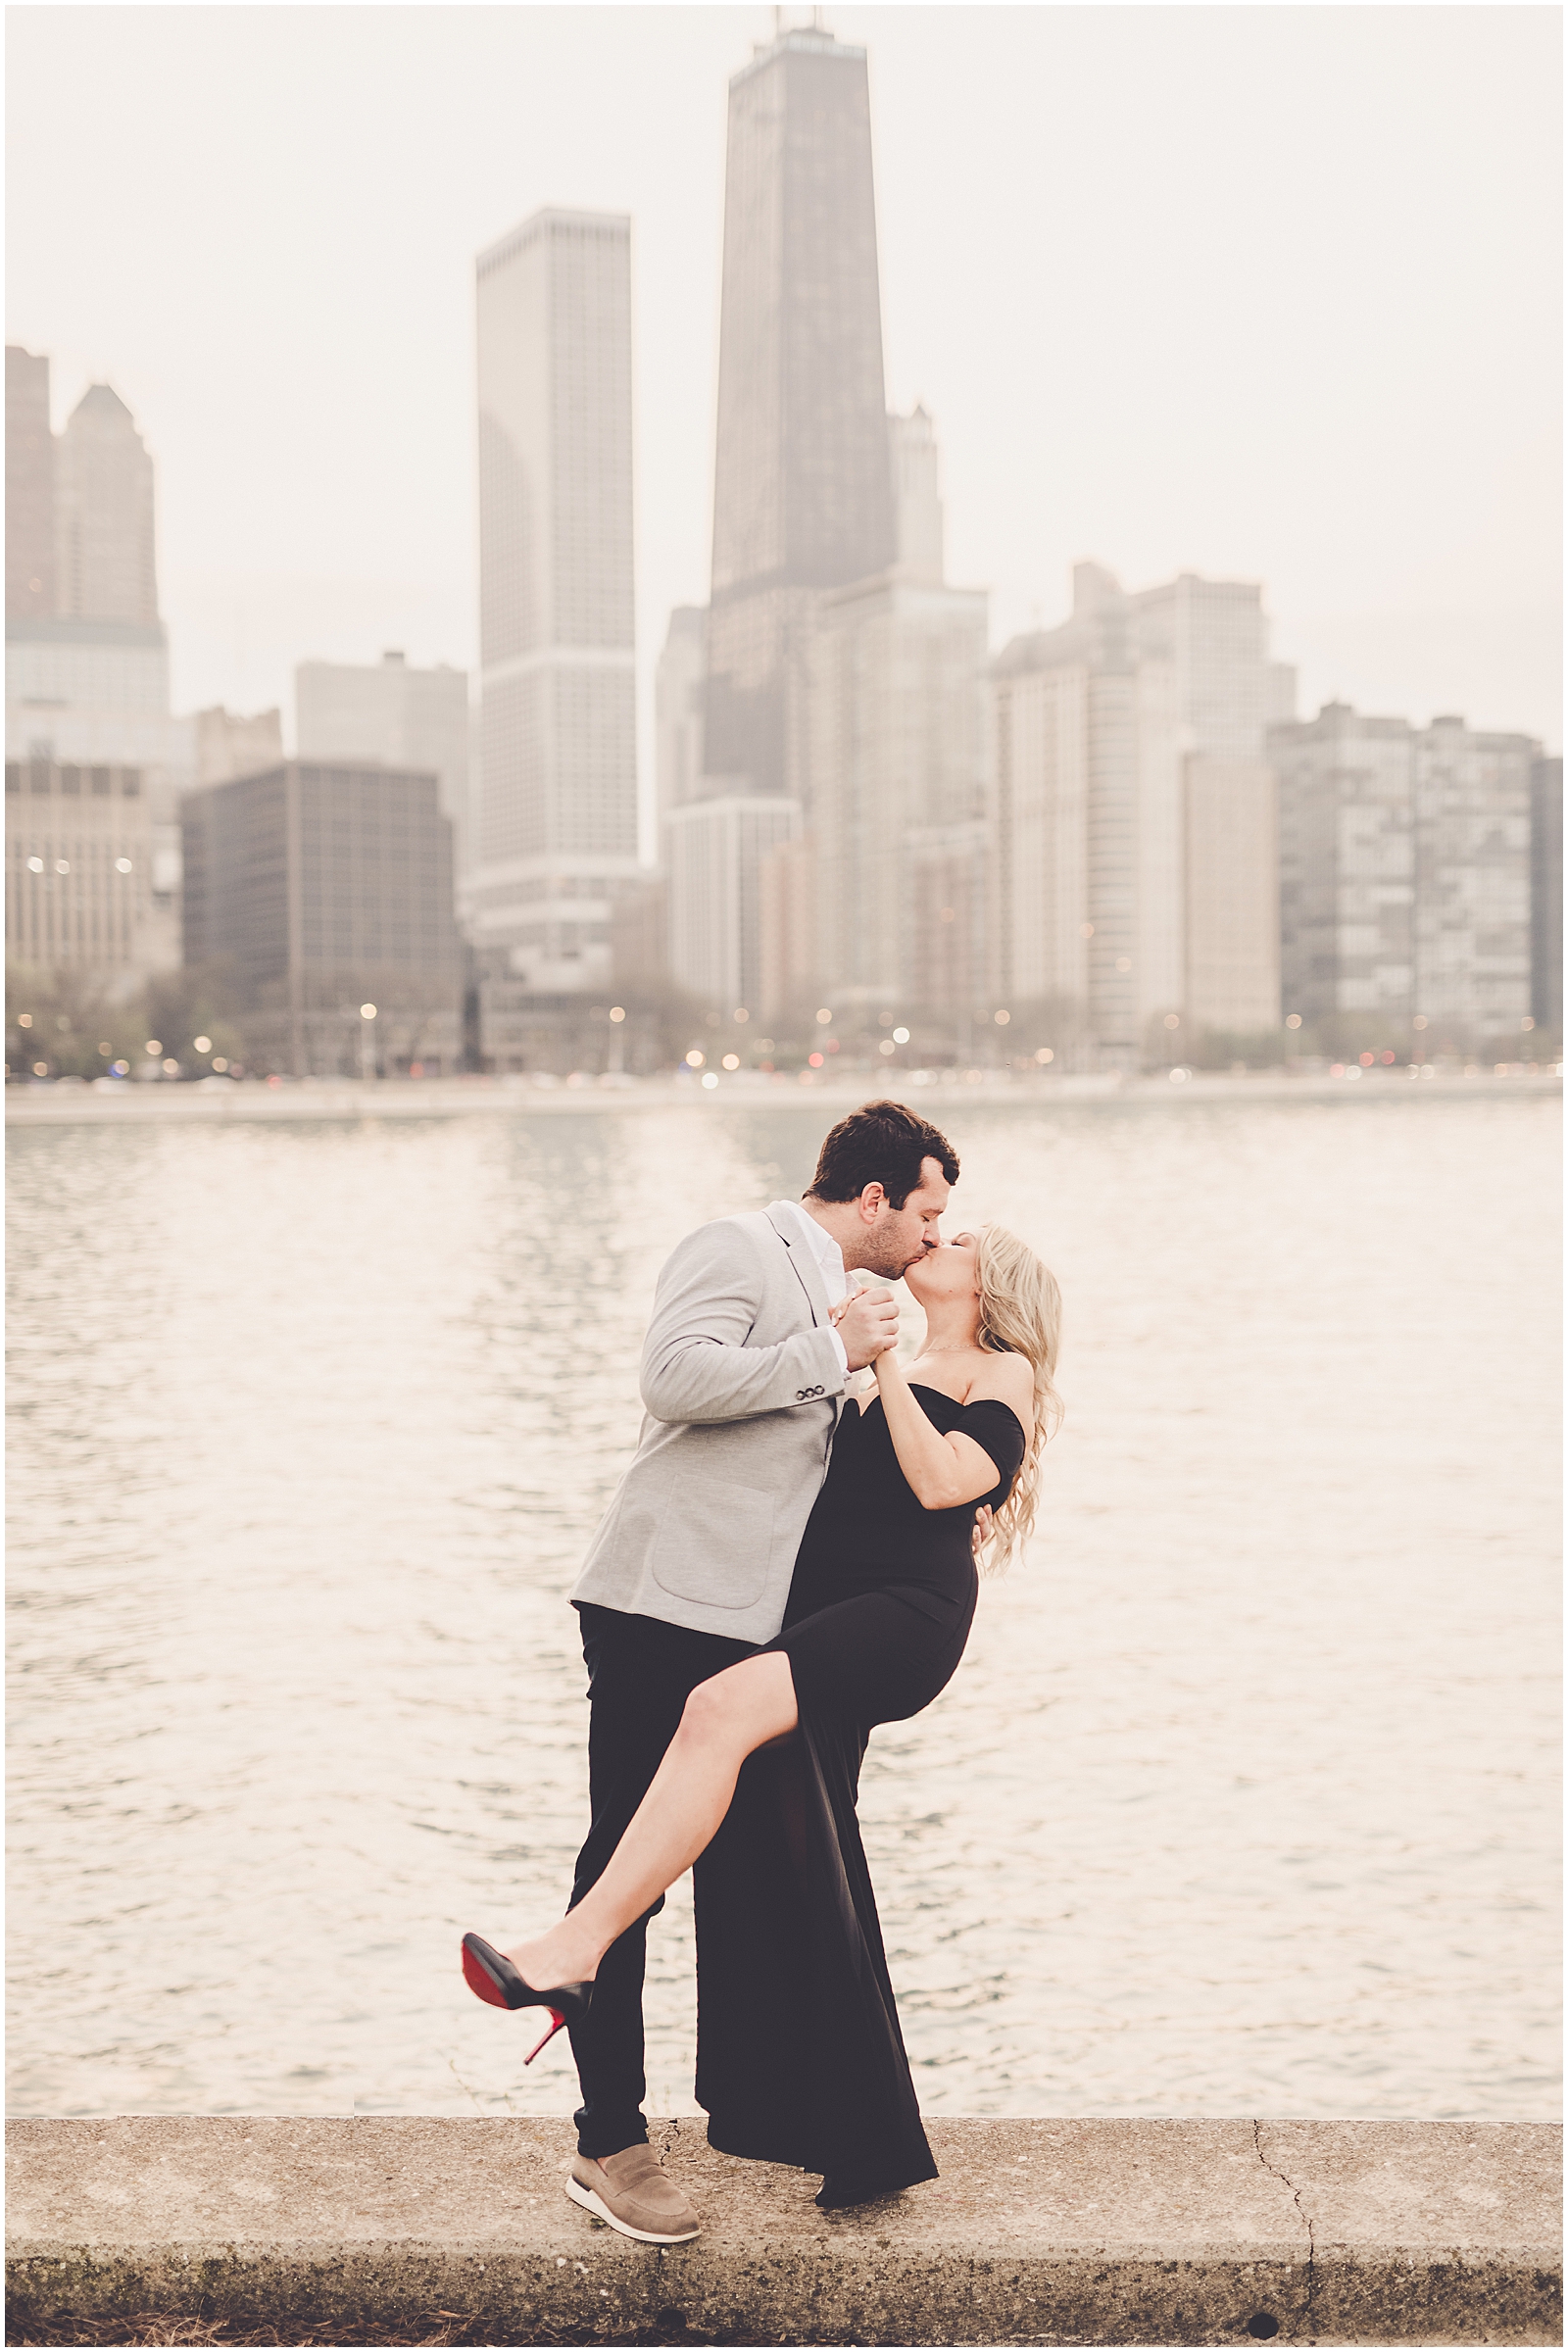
(1261, 292)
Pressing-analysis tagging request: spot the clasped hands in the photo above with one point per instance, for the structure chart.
(867, 1322)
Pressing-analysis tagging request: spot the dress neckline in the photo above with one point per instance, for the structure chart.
(962, 1406)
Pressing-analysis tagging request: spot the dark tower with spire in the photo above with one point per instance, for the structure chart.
(802, 493)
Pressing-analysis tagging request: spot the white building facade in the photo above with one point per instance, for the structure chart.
(554, 837)
(717, 849)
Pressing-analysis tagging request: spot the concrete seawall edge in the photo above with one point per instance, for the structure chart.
(1046, 2232)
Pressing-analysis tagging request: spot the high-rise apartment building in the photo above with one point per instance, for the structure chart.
(1134, 857)
(326, 887)
(1406, 875)
(556, 830)
(1472, 879)
(88, 659)
(30, 487)
(1545, 894)
(803, 496)
(1346, 866)
(397, 714)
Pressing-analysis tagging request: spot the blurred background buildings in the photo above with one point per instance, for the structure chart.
(1111, 844)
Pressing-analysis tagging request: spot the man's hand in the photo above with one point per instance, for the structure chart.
(869, 1325)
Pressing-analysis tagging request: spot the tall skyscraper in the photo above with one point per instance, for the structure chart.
(30, 487)
(87, 676)
(802, 493)
(105, 559)
(556, 809)
(398, 714)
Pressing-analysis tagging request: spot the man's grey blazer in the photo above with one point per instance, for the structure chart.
(743, 1382)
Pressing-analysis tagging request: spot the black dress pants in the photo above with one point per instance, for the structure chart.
(641, 1672)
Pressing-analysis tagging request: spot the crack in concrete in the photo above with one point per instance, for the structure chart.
(1307, 2218)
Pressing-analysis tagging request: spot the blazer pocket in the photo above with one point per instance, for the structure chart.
(715, 1544)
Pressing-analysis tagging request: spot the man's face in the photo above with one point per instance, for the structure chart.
(895, 1237)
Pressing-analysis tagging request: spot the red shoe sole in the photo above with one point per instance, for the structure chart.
(480, 1979)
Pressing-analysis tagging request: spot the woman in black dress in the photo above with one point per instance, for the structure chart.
(800, 2057)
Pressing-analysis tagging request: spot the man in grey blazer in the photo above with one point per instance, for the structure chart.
(744, 1367)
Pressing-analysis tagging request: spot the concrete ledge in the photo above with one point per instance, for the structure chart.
(1038, 2232)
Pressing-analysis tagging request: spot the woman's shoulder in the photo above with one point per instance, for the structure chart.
(1005, 1380)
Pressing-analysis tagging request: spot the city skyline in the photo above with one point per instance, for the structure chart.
(1490, 543)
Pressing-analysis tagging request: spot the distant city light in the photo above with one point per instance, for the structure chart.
(203, 1044)
(710, 1077)
(1045, 1054)
(366, 1012)
(1367, 1061)
(945, 915)
(901, 1037)
(732, 1061)
(24, 1020)
(121, 1069)
(1086, 930)
(617, 1012)
(816, 1060)
(35, 865)
(155, 1045)
(1173, 1020)
(61, 865)
(695, 1058)
(1527, 1022)
(1293, 1020)
(121, 866)
(41, 1069)
(824, 1015)
(887, 1046)
(1180, 1076)
(1002, 1020)
(219, 1064)
(1420, 1021)
(1124, 963)
(106, 1048)
(741, 1014)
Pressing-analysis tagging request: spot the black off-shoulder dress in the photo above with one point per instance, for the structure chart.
(800, 2059)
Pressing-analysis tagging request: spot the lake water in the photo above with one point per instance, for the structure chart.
(1242, 1801)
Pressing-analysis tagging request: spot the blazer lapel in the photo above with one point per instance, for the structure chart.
(807, 1270)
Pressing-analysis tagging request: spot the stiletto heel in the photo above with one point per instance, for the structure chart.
(492, 1977)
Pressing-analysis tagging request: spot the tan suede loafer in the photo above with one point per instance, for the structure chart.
(633, 2193)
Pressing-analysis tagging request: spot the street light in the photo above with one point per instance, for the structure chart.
(366, 1042)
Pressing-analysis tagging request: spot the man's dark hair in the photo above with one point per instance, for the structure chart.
(881, 1142)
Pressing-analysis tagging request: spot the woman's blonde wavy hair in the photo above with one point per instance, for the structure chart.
(1020, 1315)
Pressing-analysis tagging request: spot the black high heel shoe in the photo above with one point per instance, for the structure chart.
(491, 1974)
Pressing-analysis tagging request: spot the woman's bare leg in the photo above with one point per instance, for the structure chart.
(725, 1720)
